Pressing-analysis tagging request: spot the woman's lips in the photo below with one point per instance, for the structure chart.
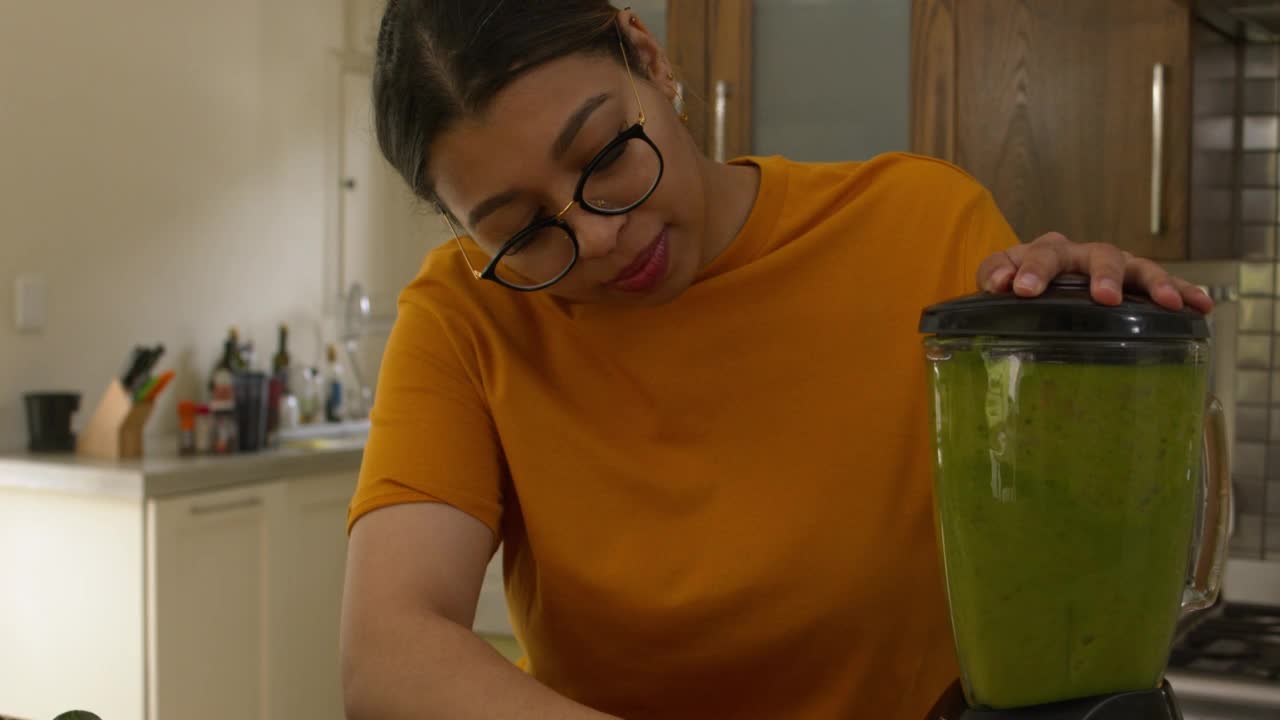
(648, 268)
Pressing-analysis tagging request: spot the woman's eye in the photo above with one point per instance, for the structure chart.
(521, 244)
(527, 237)
(611, 156)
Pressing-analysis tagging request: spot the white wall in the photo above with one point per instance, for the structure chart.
(165, 169)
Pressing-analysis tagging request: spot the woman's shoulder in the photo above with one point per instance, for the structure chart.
(892, 172)
(887, 209)
(889, 191)
(446, 292)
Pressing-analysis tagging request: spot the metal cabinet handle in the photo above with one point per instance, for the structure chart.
(721, 120)
(230, 505)
(1157, 146)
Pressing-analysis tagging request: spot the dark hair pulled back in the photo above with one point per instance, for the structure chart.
(439, 61)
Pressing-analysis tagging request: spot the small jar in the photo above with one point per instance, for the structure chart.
(203, 430)
(186, 428)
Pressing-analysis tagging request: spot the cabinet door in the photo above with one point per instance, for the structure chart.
(209, 564)
(654, 15)
(1075, 113)
(363, 17)
(830, 79)
(709, 43)
(809, 79)
(491, 607)
(306, 598)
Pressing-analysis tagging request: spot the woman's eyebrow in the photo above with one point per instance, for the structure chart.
(567, 134)
(575, 123)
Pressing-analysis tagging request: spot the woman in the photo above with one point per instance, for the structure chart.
(687, 397)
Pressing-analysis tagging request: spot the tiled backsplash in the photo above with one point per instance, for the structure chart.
(1235, 215)
(1256, 455)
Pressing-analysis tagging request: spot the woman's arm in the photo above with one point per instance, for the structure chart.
(414, 573)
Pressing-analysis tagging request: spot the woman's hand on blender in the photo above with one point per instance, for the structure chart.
(1028, 268)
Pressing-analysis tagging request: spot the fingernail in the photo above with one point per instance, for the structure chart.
(1108, 284)
(1028, 281)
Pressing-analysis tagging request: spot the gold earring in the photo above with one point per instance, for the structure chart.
(671, 75)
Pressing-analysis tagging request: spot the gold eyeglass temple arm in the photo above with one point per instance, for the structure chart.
(444, 214)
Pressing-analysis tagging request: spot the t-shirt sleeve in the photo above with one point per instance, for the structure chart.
(961, 214)
(432, 437)
(985, 232)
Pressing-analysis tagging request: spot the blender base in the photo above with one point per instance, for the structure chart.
(1157, 704)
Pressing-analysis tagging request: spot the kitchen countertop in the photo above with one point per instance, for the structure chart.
(166, 474)
(1219, 698)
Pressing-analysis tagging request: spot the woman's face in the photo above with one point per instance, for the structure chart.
(522, 160)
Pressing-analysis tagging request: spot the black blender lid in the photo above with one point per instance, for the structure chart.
(1065, 309)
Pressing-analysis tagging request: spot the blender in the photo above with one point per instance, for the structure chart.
(1081, 498)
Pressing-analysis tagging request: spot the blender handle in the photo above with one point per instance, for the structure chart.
(1206, 574)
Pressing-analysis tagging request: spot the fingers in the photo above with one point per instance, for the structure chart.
(1192, 295)
(1028, 269)
(1039, 262)
(995, 274)
(1106, 268)
(1152, 278)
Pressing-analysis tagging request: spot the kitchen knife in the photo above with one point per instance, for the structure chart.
(134, 366)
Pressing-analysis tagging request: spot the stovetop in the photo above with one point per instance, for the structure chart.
(1227, 666)
(1239, 641)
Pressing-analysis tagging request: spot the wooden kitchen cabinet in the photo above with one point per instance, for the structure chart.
(244, 602)
(709, 44)
(1076, 114)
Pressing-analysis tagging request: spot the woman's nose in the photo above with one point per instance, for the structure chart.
(597, 234)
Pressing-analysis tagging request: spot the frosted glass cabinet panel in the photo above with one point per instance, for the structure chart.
(831, 78)
(821, 80)
(654, 14)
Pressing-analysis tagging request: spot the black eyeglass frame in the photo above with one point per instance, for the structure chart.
(635, 132)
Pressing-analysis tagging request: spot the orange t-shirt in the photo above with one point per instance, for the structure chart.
(720, 507)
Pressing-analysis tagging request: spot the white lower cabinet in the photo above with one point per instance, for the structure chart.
(306, 602)
(208, 604)
(491, 607)
(244, 595)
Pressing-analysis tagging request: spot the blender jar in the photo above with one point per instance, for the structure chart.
(1069, 490)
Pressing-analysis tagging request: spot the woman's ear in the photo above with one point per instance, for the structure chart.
(651, 58)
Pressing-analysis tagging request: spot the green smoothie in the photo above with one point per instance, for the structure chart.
(1065, 491)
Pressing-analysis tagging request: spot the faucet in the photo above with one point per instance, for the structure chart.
(355, 317)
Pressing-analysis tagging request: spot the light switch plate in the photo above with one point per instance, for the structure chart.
(30, 303)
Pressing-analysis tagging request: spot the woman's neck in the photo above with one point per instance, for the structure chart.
(731, 193)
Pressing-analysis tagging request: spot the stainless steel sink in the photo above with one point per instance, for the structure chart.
(326, 436)
(347, 443)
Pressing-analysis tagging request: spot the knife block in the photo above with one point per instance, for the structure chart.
(115, 429)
